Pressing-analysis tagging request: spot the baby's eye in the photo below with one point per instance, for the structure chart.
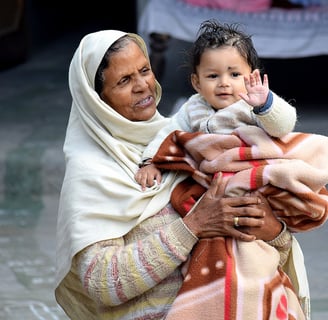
(212, 76)
(236, 74)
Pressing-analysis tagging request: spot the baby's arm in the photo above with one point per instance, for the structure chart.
(147, 172)
(272, 113)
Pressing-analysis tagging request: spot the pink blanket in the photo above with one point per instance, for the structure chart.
(233, 279)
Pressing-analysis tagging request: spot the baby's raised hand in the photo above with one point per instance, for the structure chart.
(257, 92)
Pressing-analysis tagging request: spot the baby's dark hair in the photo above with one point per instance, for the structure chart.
(213, 34)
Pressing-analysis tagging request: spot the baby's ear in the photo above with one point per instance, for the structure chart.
(195, 81)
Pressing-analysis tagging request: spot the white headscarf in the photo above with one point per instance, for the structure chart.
(100, 198)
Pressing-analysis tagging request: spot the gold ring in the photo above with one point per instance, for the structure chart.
(235, 221)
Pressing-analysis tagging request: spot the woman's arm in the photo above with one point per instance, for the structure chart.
(283, 243)
(117, 270)
(113, 272)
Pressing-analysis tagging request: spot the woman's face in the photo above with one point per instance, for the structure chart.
(129, 86)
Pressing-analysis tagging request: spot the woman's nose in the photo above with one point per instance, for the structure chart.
(140, 83)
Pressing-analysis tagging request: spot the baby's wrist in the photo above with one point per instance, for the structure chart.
(267, 105)
(145, 162)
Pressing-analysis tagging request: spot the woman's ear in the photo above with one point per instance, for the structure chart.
(195, 81)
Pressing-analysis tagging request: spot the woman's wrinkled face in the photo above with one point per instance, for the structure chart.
(129, 85)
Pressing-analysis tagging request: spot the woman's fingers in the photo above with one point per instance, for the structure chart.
(240, 221)
(240, 235)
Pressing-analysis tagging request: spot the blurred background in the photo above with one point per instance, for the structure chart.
(37, 41)
(27, 26)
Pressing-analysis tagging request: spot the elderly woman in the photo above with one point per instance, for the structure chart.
(119, 249)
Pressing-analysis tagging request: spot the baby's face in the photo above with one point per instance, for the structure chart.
(220, 76)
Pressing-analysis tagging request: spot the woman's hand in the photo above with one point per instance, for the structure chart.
(271, 227)
(214, 214)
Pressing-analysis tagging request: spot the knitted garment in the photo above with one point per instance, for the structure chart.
(293, 181)
(136, 276)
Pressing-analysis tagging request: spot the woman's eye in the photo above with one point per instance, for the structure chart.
(145, 70)
(123, 80)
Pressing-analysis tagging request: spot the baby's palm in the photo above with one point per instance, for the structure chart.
(257, 92)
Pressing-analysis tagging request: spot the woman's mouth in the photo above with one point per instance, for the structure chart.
(145, 102)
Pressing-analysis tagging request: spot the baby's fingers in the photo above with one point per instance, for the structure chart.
(266, 81)
(255, 78)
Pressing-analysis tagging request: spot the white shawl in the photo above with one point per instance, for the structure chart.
(99, 198)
